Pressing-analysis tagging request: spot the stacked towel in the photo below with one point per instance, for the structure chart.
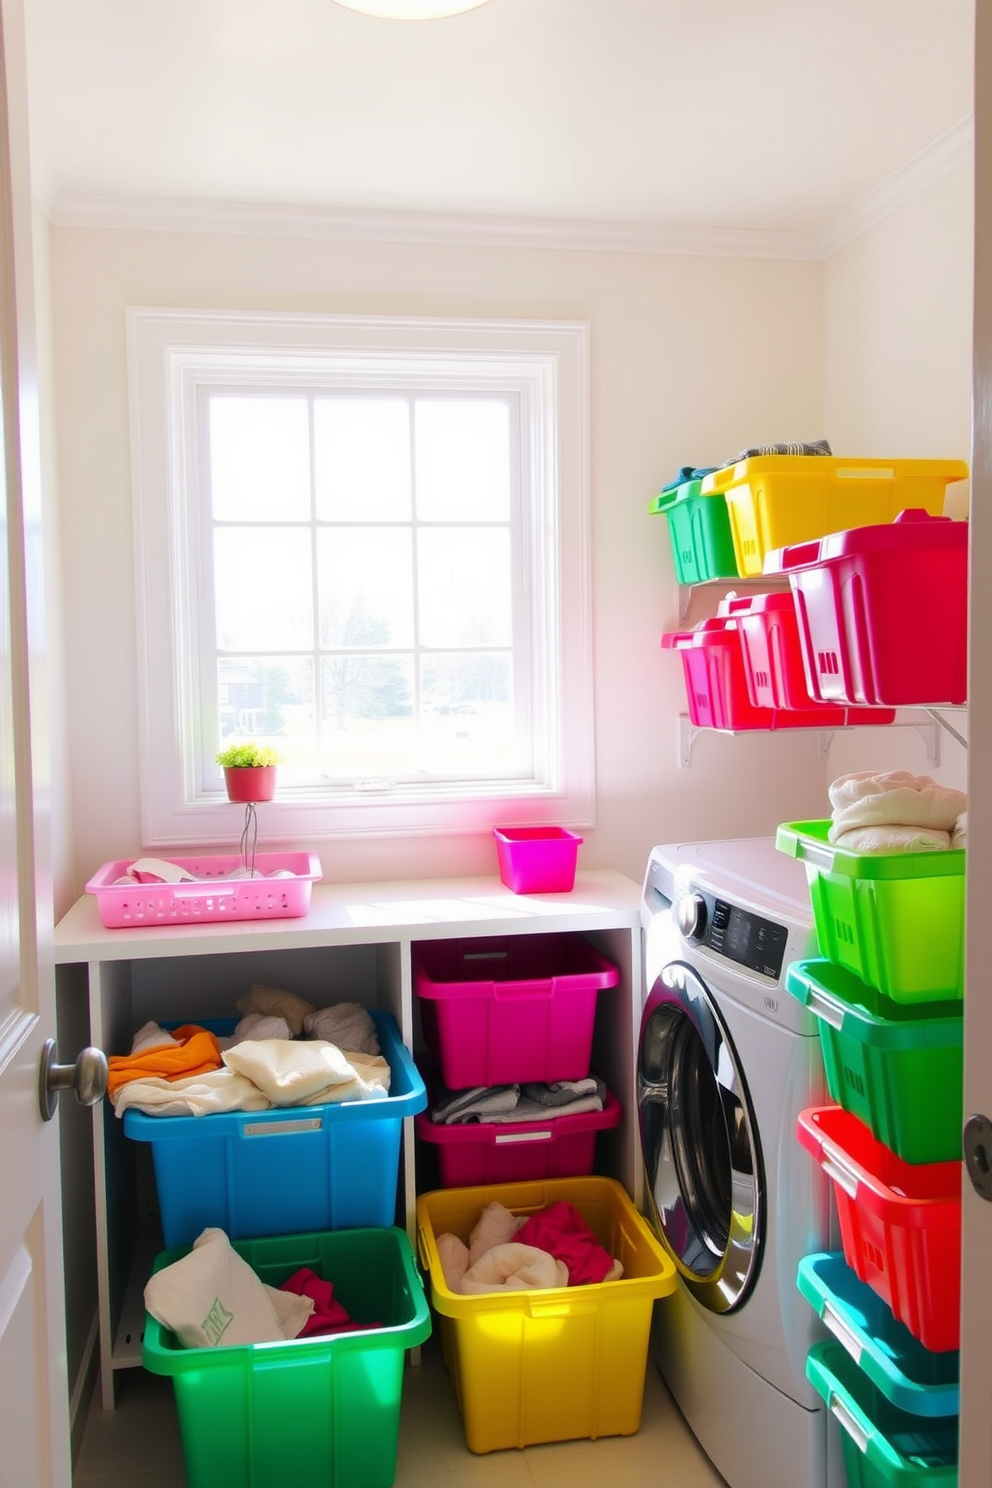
(894, 811)
(817, 447)
(509, 1252)
(507, 1104)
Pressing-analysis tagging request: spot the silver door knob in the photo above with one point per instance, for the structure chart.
(87, 1077)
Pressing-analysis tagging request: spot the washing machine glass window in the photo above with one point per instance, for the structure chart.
(699, 1138)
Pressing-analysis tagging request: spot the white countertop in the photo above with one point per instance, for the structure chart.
(365, 913)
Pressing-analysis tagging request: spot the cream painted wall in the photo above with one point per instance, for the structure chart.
(897, 315)
(691, 360)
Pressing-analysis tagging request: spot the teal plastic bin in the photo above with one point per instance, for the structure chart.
(294, 1414)
(911, 1377)
(884, 1447)
(895, 919)
(699, 532)
(898, 1067)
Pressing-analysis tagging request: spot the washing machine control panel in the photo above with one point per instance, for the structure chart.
(734, 932)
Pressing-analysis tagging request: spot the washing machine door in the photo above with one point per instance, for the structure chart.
(704, 1175)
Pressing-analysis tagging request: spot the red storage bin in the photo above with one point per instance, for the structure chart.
(883, 611)
(483, 1152)
(499, 1011)
(900, 1222)
(773, 659)
(716, 683)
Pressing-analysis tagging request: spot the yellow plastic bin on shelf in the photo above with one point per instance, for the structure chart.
(555, 1364)
(775, 501)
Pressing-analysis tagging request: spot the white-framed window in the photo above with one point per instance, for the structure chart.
(364, 541)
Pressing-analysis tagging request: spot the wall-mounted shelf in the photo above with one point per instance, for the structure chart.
(928, 723)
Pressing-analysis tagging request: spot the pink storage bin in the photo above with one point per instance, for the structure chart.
(773, 660)
(499, 1010)
(883, 611)
(900, 1222)
(537, 860)
(716, 683)
(501, 1152)
(215, 897)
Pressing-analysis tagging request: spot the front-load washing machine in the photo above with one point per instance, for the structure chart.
(726, 1061)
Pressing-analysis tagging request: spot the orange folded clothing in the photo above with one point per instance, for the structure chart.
(195, 1052)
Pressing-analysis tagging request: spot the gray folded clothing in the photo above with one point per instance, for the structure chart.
(817, 447)
(564, 1092)
(503, 1105)
(478, 1103)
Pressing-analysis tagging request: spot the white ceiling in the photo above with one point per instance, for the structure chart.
(760, 117)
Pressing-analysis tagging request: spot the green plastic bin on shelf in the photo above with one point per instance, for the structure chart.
(884, 1447)
(699, 532)
(898, 1067)
(307, 1411)
(895, 919)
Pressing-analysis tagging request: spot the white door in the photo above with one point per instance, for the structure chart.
(34, 1425)
(975, 1469)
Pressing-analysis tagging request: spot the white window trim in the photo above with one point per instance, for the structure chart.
(169, 353)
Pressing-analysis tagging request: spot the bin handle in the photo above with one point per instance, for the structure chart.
(510, 991)
(504, 1139)
(864, 472)
(836, 1168)
(842, 1330)
(203, 888)
(422, 1249)
(849, 1421)
(824, 1007)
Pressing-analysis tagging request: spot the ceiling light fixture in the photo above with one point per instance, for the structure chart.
(412, 10)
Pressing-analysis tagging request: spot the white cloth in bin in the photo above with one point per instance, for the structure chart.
(152, 1036)
(212, 1297)
(197, 1095)
(959, 837)
(882, 839)
(347, 1024)
(893, 798)
(257, 1026)
(273, 1000)
(311, 1072)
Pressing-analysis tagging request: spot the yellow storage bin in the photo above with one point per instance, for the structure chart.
(555, 1364)
(775, 501)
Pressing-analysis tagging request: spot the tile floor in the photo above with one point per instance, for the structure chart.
(137, 1445)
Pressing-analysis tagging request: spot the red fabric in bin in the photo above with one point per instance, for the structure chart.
(563, 1233)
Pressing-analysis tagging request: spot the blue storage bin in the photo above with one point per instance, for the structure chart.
(287, 1171)
(884, 1447)
(913, 1378)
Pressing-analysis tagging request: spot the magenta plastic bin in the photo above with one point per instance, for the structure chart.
(501, 1152)
(499, 1010)
(213, 896)
(883, 611)
(773, 659)
(537, 860)
(716, 683)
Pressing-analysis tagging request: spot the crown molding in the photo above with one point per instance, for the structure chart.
(165, 214)
(938, 159)
(438, 228)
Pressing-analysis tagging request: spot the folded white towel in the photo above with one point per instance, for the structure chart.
(884, 839)
(347, 1024)
(959, 837)
(212, 1297)
(308, 1073)
(197, 1095)
(893, 798)
(152, 1036)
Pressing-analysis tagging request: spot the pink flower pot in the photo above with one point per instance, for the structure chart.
(250, 782)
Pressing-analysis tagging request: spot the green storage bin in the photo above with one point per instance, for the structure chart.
(898, 1067)
(699, 532)
(883, 1445)
(307, 1411)
(896, 920)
